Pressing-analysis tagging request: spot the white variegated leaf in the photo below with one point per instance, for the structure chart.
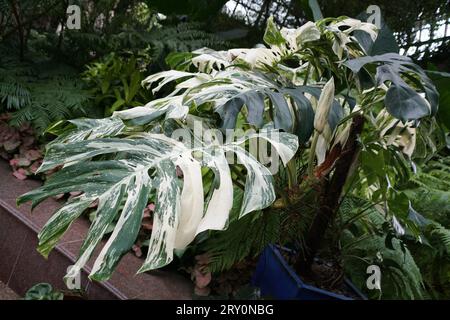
(166, 76)
(207, 60)
(191, 201)
(138, 164)
(219, 206)
(90, 129)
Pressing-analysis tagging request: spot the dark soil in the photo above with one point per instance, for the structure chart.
(234, 283)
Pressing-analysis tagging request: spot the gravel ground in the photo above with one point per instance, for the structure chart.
(6, 293)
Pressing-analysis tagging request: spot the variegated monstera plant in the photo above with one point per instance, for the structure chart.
(314, 88)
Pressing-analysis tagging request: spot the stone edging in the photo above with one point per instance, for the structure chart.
(21, 266)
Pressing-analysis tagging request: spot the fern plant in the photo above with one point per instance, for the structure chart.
(182, 37)
(243, 239)
(40, 93)
(429, 191)
(366, 240)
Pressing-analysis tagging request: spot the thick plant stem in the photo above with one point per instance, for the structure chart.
(292, 174)
(312, 154)
(329, 198)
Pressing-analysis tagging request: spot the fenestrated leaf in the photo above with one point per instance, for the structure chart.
(254, 101)
(171, 107)
(126, 179)
(304, 112)
(229, 91)
(221, 200)
(58, 225)
(92, 178)
(259, 192)
(109, 203)
(207, 60)
(402, 100)
(246, 91)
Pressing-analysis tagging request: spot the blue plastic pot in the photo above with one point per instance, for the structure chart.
(277, 279)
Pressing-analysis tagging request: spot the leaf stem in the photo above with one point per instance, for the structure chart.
(308, 70)
(292, 173)
(312, 154)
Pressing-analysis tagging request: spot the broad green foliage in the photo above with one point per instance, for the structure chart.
(402, 101)
(229, 91)
(43, 291)
(266, 75)
(115, 83)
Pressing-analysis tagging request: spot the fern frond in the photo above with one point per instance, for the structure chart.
(40, 93)
(246, 238)
(364, 243)
(443, 236)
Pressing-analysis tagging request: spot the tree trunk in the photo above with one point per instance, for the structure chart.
(329, 198)
(17, 16)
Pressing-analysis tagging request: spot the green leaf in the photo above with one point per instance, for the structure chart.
(43, 291)
(229, 91)
(442, 82)
(315, 8)
(405, 104)
(384, 43)
(402, 100)
(127, 227)
(272, 35)
(179, 60)
(135, 85)
(310, 8)
(166, 219)
(304, 113)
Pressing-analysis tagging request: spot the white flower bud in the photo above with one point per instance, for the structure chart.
(324, 106)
